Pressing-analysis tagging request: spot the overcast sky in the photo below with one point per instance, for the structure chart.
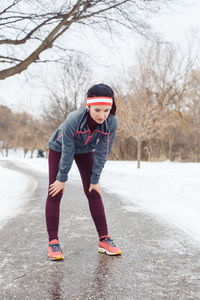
(20, 92)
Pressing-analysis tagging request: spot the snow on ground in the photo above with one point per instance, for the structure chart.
(14, 187)
(168, 190)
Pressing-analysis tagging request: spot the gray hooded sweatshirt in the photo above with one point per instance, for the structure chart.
(75, 137)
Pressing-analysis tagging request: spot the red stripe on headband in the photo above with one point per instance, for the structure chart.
(99, 103)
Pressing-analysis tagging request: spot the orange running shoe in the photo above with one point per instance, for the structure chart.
(106, 245)
(54, 250)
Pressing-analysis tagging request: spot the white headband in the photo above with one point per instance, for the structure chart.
(99, 101)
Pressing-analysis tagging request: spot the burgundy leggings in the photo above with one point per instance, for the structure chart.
(84, 163)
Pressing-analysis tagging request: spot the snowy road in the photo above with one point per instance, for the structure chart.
(158, 261)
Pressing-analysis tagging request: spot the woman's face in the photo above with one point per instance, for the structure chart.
(99, 113)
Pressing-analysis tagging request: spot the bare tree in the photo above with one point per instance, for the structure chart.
(21, 130)
(165, 71)
(23, 138)
(191, 114)
(67, 91)
(28, 28)
(162, 80)
(142, 119)
(7, 128)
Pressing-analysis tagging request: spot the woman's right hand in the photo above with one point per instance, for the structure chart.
(56, 187)
(95, 187)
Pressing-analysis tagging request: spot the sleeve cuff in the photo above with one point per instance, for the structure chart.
(62, 178)
(94, 179)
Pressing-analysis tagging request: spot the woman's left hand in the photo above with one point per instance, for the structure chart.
(95, 187)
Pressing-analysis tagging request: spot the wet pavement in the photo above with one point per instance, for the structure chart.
(158, 260)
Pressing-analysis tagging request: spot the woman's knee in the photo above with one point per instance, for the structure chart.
(56, 197)
(86, 191)
(93, 194)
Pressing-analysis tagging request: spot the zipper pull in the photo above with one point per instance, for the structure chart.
(89, 137)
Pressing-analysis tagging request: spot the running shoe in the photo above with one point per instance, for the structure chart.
(54, 250)
(106, 245)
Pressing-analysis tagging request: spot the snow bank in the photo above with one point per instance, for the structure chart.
(14, 188)
(166, 189)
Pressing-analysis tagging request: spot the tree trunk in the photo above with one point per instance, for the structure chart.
(151, 150)
(6, 151)
(170, 148)
(138, 154)
(25, 151)
(32, 153)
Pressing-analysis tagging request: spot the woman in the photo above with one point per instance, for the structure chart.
(86, 136)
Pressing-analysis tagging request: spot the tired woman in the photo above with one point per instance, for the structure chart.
(86, 136)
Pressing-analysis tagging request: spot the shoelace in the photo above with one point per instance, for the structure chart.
(56, 247)
(109, 241)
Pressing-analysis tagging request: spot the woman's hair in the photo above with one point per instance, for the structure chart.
(103, 90)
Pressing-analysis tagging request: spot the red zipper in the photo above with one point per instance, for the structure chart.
(89, 137)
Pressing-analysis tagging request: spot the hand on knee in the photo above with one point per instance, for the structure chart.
(95, 187)
(56, 187)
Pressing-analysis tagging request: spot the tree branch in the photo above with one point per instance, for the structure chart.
(27, 37)
(47, 43)
(11, 59)
(7, 8)
(82, 11)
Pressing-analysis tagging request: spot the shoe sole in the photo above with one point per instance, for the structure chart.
(56, 258)
(102, 250)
